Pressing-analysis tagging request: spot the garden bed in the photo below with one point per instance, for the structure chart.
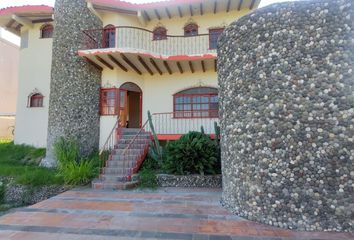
(206, 181)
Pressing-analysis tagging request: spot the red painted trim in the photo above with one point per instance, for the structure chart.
(142, 6)
(26, 8)
(103, 110)
(95, 52)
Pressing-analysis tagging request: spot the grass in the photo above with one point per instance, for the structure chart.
(21, 163)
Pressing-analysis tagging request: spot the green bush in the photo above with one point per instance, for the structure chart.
(79, 173)
(66, 152)
(193, 153)
(75, 171)
(151, 163)
(147, 178)
(39, 176)
(2, 192)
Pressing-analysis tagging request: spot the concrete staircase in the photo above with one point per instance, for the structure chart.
(117, 174)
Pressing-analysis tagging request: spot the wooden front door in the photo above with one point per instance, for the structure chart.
(123, 107)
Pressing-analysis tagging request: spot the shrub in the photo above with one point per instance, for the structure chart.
(75, 171)
(151, 163)
(147, 178)
(66, 152)
(193, 153)
(2, 192)
(79, 173)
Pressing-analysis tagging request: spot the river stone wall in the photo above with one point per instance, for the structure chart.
(287, 115)
(75, 84)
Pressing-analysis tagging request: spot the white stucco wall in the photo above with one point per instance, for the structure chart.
(34, 75)
(157, 92)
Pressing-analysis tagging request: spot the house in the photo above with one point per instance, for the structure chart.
(158, 56)
(9, 63)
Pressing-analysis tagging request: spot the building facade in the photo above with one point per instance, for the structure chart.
(9, 63)
(158, 57)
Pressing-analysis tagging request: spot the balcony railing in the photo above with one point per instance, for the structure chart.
(142, 41)
(177, 123)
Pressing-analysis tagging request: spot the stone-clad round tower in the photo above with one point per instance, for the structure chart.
(74, 86)
(287, 115)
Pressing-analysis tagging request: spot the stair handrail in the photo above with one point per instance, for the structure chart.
(129, 146)
(109, 144)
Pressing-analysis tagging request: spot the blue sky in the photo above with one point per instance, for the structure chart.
(8, 3)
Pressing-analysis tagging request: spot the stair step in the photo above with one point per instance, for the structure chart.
(128, 151)
(121, 164)
(130, 137)
(97, 184)
(127, 157)
(136, 141)
(113, 170)
(131, 146)
(113, 178)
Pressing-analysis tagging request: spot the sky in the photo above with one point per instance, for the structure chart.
(16, 40)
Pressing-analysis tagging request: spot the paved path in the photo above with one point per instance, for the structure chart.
(164, 214)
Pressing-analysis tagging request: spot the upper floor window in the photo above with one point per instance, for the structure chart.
(191, 30)
(109, 101)
(35, 100)
(200, 102)
(214, 36)
(109, 36)
(160, 33)
(47, 31)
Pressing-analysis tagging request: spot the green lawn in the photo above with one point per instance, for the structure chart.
(22, 164)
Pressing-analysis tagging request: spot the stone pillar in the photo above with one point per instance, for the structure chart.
(75, 84)
(287, 115)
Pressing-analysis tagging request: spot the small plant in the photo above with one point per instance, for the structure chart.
(148, 178)
(79, 173)
(75, 171)
(193, 153)
(66, 151)
(2, 192)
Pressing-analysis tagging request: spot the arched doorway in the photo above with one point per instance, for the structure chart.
(130, 106)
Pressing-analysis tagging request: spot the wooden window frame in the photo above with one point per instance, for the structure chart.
(159, 33)
(218, 30)
(192, 112)
(47, 27)
(189, 27)
(35, 100)
(104, 107)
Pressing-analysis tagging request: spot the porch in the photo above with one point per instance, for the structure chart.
(172, 125)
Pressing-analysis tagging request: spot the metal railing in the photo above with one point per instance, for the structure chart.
(184, 121)
(106, 151)
(142, 41)
(128, 171)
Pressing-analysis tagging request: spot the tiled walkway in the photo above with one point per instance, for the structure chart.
(163, 214)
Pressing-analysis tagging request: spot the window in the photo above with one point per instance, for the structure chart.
(47, 31)
(191, 30)
(201, 102)
(160, 33)
(109, 101)
(214, 36)
(35, 100)
(109, 37)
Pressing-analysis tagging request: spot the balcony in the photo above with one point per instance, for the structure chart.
(131, 48)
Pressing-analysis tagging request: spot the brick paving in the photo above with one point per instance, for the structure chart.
(168, 213)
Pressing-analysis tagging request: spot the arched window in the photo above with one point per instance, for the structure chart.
(160, 33)
(191, 30)
(200, 102)
(109, 36)
(35, 100)
(47, 31)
